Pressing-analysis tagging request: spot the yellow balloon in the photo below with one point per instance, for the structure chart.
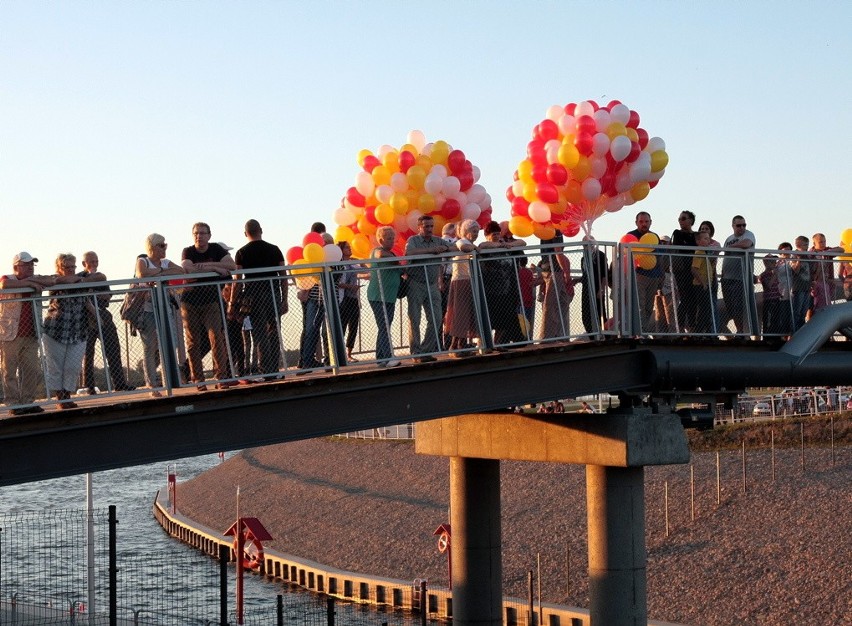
(543, 231)
(558, 208)
(363, 154)
(574, 192)
(525, 168)
(640, 191)
(581, 171)
(366, 226)
(439, 155)
(416, 176)
(530, 194)
(659, 160)
(631, 133)
(361, 246)
(424, 162)
(440, 220)
(646, 261)
(521, 226)
(391, 161)
(381, 175)
(441, 145)
(409, 148)
(846, 237)
(399, 203)
(616, 129)
(568, 155)
(343, 233)
(426, 203)
(384, 214)
(312, 253)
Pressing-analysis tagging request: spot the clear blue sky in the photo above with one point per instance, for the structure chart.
(120, 118)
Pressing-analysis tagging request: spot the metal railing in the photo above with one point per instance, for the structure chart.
(304, 318)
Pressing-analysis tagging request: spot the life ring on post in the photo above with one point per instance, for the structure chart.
(252, 551)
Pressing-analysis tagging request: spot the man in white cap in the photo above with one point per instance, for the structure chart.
(18, 337)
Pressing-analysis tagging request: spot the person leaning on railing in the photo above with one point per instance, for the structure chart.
(18, 336)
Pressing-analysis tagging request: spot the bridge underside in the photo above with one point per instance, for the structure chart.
(143, 431)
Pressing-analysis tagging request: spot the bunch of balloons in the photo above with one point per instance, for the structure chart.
(314, 249)
(396, 186)
(584, 160)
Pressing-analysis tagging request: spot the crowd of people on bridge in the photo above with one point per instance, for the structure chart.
(676, 293)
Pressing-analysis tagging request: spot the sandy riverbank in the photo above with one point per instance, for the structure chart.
(779, 554)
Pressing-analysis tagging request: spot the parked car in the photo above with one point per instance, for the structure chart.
(762, 409)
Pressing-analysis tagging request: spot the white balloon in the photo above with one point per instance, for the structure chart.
(555, 112)
(517, 188)
(591, 189)
(461, 198)
(539, 212)
(417, 139)
(567, 125)
(411, 218)
(477, 192)
(584, 108)
(385, 149)
(332, 253)
(602, 120)
(399, 182)
(628, 199)
(620, 113)
(384, 193)
(470, 211)
(620, 148)
(600, 144)
(427, 149)
(476, 174)
(364, 184)
(641, 168)
(433, 184)
(439, 170)
(439, 200)
(400, 223)
(486, 204)
(614, 204)
(356, 210)
(598, 166)
(451, 186)
(623, 182)
(344, 217)
(552, 153)
(656, 175)
(654, 144)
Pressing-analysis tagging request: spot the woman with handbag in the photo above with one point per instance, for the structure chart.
(153, 265)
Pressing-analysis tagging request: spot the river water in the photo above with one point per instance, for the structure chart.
(43, 555)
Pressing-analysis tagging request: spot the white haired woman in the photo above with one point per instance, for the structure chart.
(66, 329)
(153, 265)
(460, 320)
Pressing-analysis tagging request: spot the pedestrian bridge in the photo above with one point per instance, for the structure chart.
(603, 344)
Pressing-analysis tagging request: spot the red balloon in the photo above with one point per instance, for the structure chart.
(406, 160)
(611, 104)
(547, 192)
(451, 208)
(586, 124)
(628, 238)
(557, 174)
(572, 230)
(455, 161)
(633, 122)
(548, 130)
(635, 151)
(510, 193)
(536, 152)
(643, 137)
(312, 237)
(466, 179)
(355, 198)
(539, 173)
(584, 143)
(608, 184)
(483, 219)
(520, 206)
(594, 104)
(371, 162)
(294, 254)
(652, 183)
(370, 214)
(570, 108)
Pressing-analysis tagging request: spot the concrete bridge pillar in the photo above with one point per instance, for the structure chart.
(476, 542)
(615, 508)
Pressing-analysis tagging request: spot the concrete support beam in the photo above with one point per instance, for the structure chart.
(476, 542)
(615, 502)
(630, 439)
